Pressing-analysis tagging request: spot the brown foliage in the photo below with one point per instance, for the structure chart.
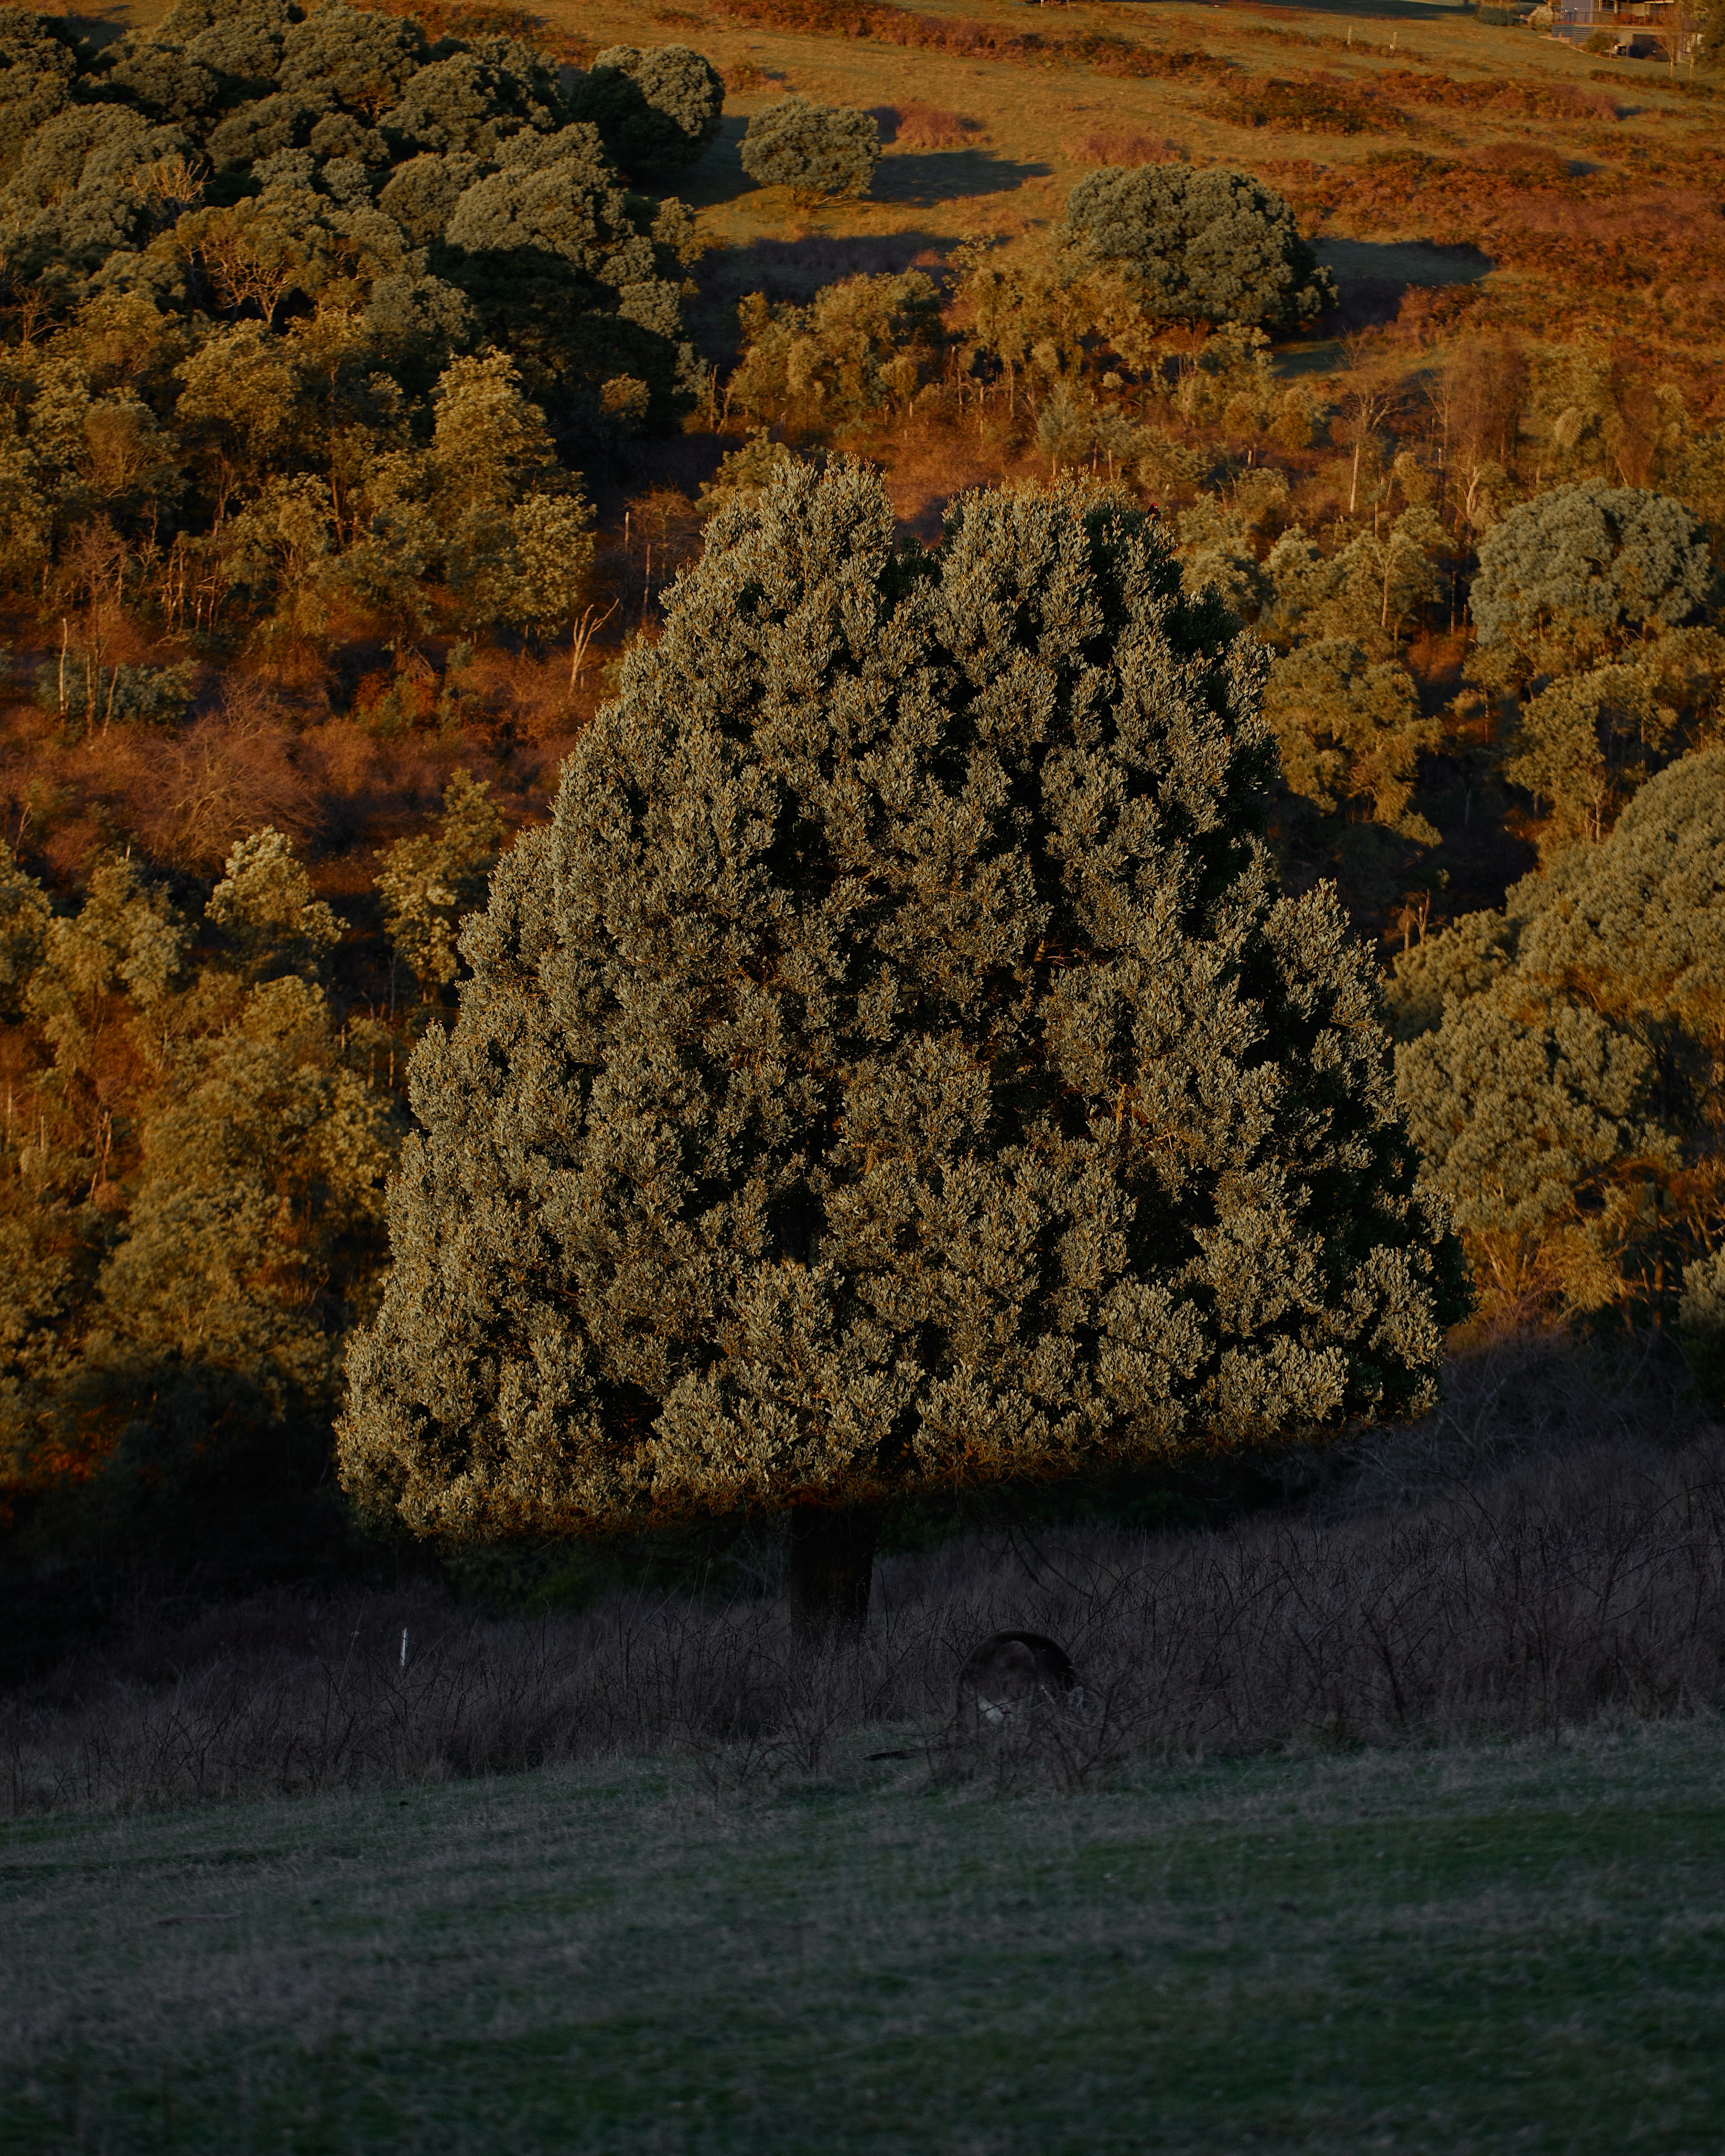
(488, 18)
(1107, 53)
(1488, 382)
(1313, 105)
(1321, 103)
(184, 795)
(925, 127)
(230, 771)
(1592, 230)
(1526, 98)
(1120, 147)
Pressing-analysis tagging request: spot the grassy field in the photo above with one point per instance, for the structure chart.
(1037, 129)
(1510, 1947)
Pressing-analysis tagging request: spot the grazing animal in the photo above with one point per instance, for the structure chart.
(1007, 1672)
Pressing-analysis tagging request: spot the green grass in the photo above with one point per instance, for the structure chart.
(1483, 1949)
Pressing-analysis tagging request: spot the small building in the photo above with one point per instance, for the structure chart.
(1638, 28)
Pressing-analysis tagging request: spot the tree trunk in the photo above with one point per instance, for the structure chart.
(832, 1565)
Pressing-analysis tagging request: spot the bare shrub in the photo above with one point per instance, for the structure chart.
(1317, 104)
(1120, 147)
(743, 77)
(925, 127)
(231, 772)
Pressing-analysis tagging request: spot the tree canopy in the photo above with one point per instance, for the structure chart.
(1580, 570)
(813, 149)
(1198, 245)
(261, 262)
(254, 163)
(893, 1065)
(1559, 1070)
(204, 1206)
(657, 110)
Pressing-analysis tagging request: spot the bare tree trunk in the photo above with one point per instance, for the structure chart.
(832, 1565)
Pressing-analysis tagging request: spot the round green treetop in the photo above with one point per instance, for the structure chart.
(813, 149)
(1197, 245)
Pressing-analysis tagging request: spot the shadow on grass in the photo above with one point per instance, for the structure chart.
(796, 269)
(98, 29)
(1375, 276)
(919, 177)
(719, 176)
(938, 175)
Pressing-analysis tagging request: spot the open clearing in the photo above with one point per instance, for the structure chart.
(1037, 128)
(1472, 1949)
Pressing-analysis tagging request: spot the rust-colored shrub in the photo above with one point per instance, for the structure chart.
(1104, 51)
(1112, 147)
(1597, 231)
(1314, 105)
(925, 127)
(1528, 164)
(1527, 100)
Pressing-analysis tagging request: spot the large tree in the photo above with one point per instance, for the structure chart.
(657, 110)
(1590, 603)
(1582, 573)
(1193, 245)
(894, 1067)
(815, 149)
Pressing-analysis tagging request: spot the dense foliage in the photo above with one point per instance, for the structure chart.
(193, 1221)
(264, 266)
(657, 110)
(1211, 246)
(815, 149)
(893, 1067)
(1561, 1075)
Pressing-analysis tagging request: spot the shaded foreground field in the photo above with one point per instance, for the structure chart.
(1514, 1947)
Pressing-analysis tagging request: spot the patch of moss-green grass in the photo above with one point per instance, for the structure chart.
(1480, 1948)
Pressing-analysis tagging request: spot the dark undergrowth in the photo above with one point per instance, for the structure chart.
(1547, 1550)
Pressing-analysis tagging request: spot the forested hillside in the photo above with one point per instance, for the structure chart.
(367, 382)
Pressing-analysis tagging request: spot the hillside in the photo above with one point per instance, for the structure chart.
(364, 411)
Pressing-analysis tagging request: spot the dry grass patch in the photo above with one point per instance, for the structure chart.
(925, 127)
(1105, 146)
